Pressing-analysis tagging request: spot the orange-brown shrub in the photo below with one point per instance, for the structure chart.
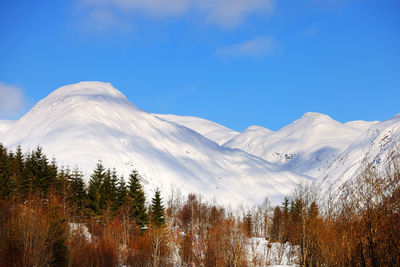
(33, 234)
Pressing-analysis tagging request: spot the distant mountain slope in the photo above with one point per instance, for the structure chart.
(306, 146)
(89, 121)
(211, 130)
(376, 146)
(361, 125)
(251, 140)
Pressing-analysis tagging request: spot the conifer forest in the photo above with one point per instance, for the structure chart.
(49, 216)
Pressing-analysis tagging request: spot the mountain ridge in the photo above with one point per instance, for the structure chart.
(82, 123)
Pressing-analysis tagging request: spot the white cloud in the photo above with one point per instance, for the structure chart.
(12, 100)
(224, 13)
(255, 48)
(230, 13)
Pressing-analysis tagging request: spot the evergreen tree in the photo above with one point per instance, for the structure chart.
(52, 171)
(25, 182)
(122, 192)
(137, 199)
(39, 174)
(6, 181)
(94, 189)
(157, 210)
(109, 190)
(17, 165)
(61, 184)
(77, 192)
(114, 190)
(285, 219)
(17, 168)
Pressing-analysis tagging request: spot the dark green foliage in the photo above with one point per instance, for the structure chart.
(17, 162)
(122, 192)
(77, 191)
(16, 168)
(94, 189)
(157, 210)
(137, 199)
(103, 191)
(61, 185)
(109, 191)
(6, 181)
(38, 174)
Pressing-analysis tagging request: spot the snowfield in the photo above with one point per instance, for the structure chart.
(307, 146)
(82, 123)
(376, 146)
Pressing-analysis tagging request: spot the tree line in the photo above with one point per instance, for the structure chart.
(50, 217)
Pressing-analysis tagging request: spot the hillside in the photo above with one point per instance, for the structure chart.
(82, 123)
(306, 146)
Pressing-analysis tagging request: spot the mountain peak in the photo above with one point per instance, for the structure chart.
(312, 119)
(315, 116)
(84, 95)
(87, 88)
(256, 128)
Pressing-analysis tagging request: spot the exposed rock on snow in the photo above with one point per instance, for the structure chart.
(307, 146)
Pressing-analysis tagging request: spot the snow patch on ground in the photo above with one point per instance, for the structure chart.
(264, 253)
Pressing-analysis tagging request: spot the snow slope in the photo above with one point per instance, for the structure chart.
(307, 146)
(82, 123)
(211, 130)
(377, 145)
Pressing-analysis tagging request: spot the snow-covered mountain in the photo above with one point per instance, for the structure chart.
(82, 123)
(307, 146)
(377, 145)
(209, 129)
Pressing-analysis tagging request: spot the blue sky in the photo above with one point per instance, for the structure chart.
(236, 62)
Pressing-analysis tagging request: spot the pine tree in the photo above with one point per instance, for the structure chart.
(157, 210)
(17, 169)
(122, 192)
(17, 165)
(52, 171)
(108, 194)
(137, 200)
(77, 192)
(114, 190)
(6, 181)
(25, 182)
(39, 174)
(61, 184)
(105, 191)
(94, 189)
